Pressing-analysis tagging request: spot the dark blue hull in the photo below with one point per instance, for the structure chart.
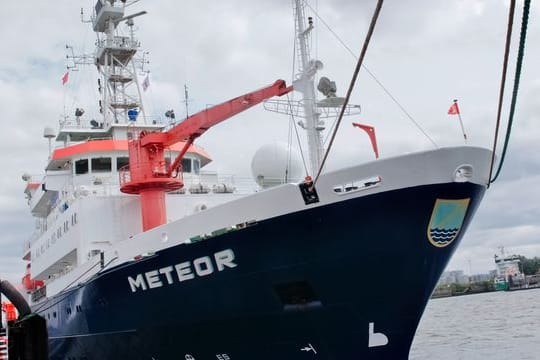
(307, 285)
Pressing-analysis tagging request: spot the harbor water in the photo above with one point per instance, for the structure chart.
(496, 325)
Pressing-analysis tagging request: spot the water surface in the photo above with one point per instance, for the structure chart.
(497, 325)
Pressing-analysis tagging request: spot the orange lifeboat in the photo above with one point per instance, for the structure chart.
(9, 309)
(30, 284)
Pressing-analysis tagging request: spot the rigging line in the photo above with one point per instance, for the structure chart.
(503, 84)
(65, 288)
(519, 64)
(289, 151)
(297, 135)
(292, 119)
(289, 133)
(330, 130)
(351, 86)
(372, 75)
(89, 89)
(43, 308)
(106, 265)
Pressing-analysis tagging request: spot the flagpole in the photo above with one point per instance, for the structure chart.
(460, 121)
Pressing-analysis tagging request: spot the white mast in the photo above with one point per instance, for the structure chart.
(305, 84)
(309, 108)
(114, 58)
(120, 88)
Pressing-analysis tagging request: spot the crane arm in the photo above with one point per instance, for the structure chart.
(149, 174)
(195, 125)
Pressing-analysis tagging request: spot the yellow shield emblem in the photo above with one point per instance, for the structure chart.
(446, 220)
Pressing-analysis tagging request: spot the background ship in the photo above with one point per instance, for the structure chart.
(277, 274)
(510, 274)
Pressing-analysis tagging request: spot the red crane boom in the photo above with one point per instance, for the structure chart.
(150, 176)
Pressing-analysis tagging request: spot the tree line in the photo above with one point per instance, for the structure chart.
(530, 266)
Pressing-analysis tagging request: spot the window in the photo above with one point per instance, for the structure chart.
(121, 162)
(196, 166)
(101, 165)
(81, 166)
(186, 165)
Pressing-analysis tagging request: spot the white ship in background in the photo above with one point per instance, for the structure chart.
(509, 274)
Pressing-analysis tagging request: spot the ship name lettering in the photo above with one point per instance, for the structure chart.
(184, 271)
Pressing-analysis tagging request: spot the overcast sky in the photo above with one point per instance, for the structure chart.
(426, 53)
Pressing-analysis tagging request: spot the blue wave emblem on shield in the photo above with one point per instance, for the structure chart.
(446, 220)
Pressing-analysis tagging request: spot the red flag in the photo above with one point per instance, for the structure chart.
(370, 130)
(65, 78)
(454, 109)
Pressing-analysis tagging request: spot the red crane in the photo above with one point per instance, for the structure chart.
(150, 176)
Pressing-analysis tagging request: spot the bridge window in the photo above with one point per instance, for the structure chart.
(121, 162)
(196, 166)
(101, 164)
(186, 165)
(81, 166)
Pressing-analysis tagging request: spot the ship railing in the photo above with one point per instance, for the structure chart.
(155, 120)
(207, 182)
(80, 123)
(92, 124)
(124, 101)
(242, 184)
(121, 42)
(160, 170)
(71, 275)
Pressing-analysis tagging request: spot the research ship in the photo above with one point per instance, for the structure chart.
(139, 253)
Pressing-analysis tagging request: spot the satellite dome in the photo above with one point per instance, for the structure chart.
(269, 165)
(48, 132)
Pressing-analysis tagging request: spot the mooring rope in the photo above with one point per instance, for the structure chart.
(503, 82)
(519, 65)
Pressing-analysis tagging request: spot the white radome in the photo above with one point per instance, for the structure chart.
(275, 164)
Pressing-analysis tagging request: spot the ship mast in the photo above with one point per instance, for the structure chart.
(120, 92)
(309, 108)
(305, 84)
